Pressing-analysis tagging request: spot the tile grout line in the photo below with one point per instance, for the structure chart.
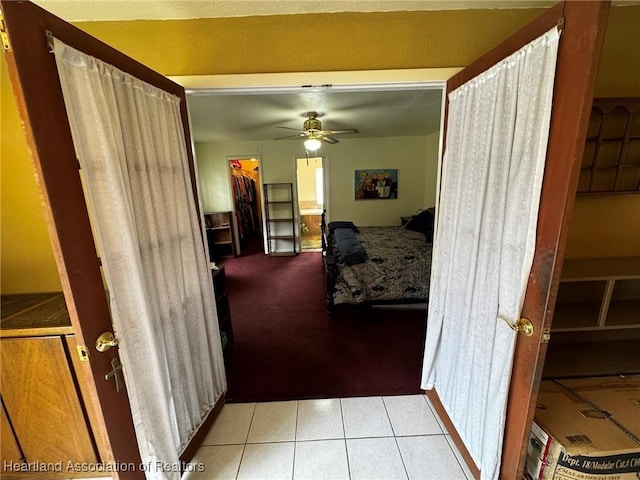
(386, 410)
(253, 413)
(344, 434)
(244, 447)
(240, 462)
(295, 441)
(395, 438)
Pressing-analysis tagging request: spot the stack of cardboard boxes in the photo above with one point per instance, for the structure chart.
(586, 429)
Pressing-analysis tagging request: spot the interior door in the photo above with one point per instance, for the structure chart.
(38, 93)
(583, 25)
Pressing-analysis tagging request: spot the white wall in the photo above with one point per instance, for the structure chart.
(407, 154)
(414, 157)
(307, 179)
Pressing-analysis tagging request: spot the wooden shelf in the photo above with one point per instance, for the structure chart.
(598, 294)
(280, 219)
(34, 314)
(583, 269)
(220, 236)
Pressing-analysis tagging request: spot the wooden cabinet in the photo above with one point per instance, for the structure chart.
(42, 401)
(598, 294)
(280, 219)
(44, 417)
(220, 236)
(222, 306)
(611, 161)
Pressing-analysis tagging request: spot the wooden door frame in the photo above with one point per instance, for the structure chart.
(38, 93)
(583, 25)
(324, 159)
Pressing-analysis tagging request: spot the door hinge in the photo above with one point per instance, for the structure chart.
(4, 36)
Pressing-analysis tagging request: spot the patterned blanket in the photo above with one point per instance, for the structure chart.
(397, 269)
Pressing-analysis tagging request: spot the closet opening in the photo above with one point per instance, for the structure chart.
(244, 175)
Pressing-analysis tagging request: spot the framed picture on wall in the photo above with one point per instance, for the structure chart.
(378, 184)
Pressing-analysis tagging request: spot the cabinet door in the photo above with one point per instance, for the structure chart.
(42, 402)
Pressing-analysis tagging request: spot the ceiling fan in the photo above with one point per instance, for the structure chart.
(312, 129)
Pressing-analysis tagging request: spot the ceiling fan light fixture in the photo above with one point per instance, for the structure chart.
(312, 144)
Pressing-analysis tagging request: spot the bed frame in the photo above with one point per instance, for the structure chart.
(329, 262)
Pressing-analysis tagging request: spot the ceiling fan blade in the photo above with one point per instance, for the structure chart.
(330, 140)
(340, 132)
(290, 136)
(289, 128)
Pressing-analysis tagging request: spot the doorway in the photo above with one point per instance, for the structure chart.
(244, 175)
(310, 186)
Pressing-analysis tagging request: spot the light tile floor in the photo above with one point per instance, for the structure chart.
(395, 437)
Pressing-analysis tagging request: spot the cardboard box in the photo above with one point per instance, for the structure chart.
(586, 429)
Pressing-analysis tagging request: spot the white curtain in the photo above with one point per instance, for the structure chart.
(497, 133)
(130, 143)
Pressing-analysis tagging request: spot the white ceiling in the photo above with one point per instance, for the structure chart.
(256, 117)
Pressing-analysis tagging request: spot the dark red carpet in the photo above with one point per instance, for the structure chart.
(287, 347)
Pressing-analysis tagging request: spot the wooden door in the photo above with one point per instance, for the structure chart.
(41, 106)
(583, 25)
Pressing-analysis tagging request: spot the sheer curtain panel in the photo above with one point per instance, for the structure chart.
(492, 170)
(130, 143)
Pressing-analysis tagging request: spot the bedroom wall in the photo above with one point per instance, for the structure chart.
(203, 46)
(410, 155)
(407, 154)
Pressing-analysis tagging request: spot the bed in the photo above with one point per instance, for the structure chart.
(396, 268)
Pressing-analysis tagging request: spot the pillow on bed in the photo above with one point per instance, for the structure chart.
(342, 224)
(423, 223)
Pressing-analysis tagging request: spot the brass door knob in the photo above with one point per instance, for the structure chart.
(523, 325)
(105, 341)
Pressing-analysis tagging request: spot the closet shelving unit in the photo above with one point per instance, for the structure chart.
(280, 219)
